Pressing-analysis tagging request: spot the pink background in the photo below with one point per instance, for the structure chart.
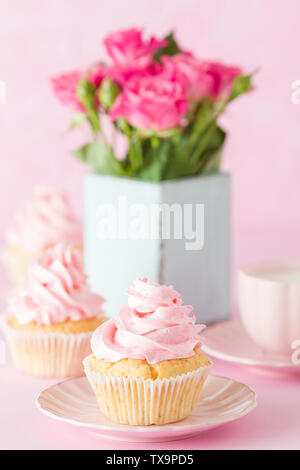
(42, 38)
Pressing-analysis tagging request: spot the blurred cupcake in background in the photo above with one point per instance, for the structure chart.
(51, 316)
(147, 366)
(44, 220)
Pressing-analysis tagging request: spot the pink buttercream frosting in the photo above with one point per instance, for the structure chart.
(45, 219)
(155, 326)
(55, 290)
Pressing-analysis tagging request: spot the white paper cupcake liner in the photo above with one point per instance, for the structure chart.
(48, 354)
(144, 402)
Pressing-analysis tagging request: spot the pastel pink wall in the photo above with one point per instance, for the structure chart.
(41, 38)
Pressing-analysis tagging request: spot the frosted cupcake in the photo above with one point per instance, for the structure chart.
(52, 315)
(44, 220)
(147, 366)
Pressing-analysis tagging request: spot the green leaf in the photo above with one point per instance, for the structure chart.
(86, 94)
(210, 163)
(108, 92)
(78, 120)
(100, 157)
(210, 159)
(205, 158)
(203, 118)
(178, 165)
(155, 161)
(135, 153)
(171, 48)
(124, 127)
(242, 84)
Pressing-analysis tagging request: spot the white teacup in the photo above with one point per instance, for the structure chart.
(269, 301)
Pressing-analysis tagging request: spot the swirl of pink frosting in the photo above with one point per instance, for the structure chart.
(55, 290)
(154, 326)
(45, 219)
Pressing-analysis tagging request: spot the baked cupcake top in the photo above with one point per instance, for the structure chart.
(155, 326)
(55, 290)
(45, 219)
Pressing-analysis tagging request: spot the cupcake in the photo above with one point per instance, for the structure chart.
(51, 316)
(146, 365)
(44, 220)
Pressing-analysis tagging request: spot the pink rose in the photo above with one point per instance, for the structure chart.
(65, 88)
(223, 77)
(127, 47)
(96, 74)
(197, 82)
(151, 102)
(130, 53)
(122, 75)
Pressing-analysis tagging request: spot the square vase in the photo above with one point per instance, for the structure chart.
(118, 255)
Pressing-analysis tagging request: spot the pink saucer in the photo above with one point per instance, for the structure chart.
(229, 341)
(73, 401)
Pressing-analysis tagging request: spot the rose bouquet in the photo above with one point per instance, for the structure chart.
(160, 101)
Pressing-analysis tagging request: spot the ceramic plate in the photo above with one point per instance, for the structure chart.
(229, 341)
(73, 401)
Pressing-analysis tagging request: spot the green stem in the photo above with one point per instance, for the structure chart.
(205, 138)
(202, 121)
(206, 135)
(135, 153)
(204, 161)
